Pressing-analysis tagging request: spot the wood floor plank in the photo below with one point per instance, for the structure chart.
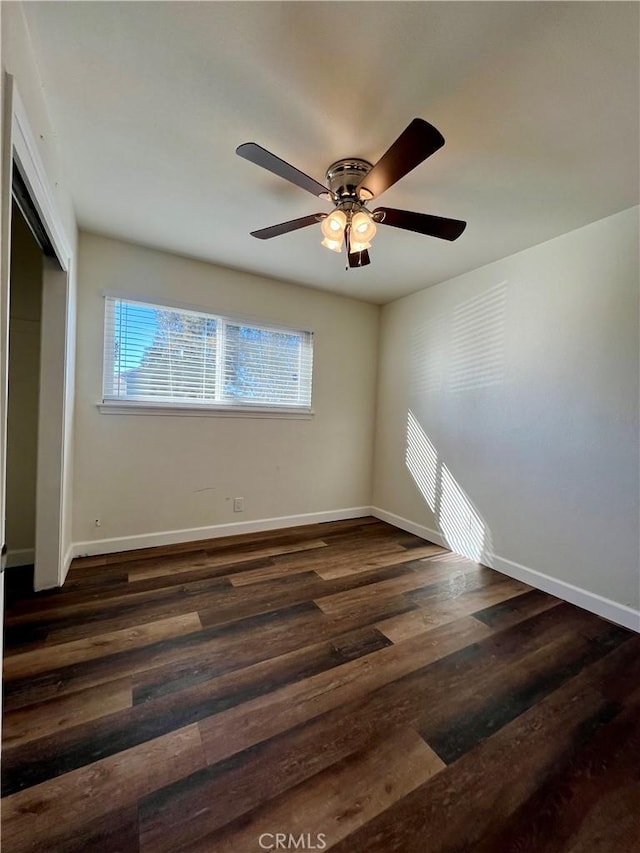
(103, 579)
(88, 562)
(607, 763)
(144, 573)
(89, 583)
(510, 611)
(191, 808)
(279, 592)
(291, 666)
(168, 564)
(185, 811)
(31, 663)
(23, 638)
(223, 791)
(97, 596)
(232, 654)
(355, 553)
(223, 648)
(348, 547)
(405, 625)
(121, 615)
(91, 792)
(612, 823)
(336, 802)
(55, 715)
(339, 568)
(158, 602)
(433, 581)
(456, 700)
(223, 570)
(54, 755)
(118, 831)
(30, 764)
(237, 729)
(216, 600)
(475, 795)
(486, 700)
(403, 701)
(205, 654)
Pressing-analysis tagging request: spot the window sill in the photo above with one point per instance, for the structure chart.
(120, 407)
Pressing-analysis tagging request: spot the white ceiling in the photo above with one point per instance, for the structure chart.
(538, 103)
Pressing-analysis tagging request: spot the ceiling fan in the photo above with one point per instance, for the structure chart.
(354, 182)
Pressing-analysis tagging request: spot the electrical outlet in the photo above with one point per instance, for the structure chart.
(238, 504)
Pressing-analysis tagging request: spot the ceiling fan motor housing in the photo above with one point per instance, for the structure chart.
(343, 178)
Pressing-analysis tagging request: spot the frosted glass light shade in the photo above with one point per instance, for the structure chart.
(363, 227)
(334, 245)
(333, 224)
(332, 227)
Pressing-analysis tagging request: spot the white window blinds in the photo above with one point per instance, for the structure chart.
(160, 354)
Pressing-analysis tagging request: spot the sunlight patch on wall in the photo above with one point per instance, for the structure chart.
(422, 461)
(477, 340)
(428, 343)
(462, 527)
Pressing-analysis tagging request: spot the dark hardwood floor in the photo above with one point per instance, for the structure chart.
(342, 686)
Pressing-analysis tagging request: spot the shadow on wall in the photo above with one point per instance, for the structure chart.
(477, 341)
(462, 351)
(453, 355)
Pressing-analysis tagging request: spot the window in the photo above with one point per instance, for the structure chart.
(165, 356)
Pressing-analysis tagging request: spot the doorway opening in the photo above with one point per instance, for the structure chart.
(32, 257)
(25, 328)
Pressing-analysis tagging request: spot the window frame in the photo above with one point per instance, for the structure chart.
(224, 408)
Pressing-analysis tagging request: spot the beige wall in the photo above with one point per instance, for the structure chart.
(143, 474)
(508, 410)
(22, 410)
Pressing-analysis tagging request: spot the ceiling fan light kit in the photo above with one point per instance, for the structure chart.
(352, 183)
(333, 228)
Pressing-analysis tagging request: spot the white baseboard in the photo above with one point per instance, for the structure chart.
(409, 526)
(621, 614)
(194, 534)
(20, 557)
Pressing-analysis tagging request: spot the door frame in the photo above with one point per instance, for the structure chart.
(19, 150)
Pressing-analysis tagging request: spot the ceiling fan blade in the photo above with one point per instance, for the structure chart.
(423, 223)
(285, 227)
(359, 259)
(255, 153)
(416, 142)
